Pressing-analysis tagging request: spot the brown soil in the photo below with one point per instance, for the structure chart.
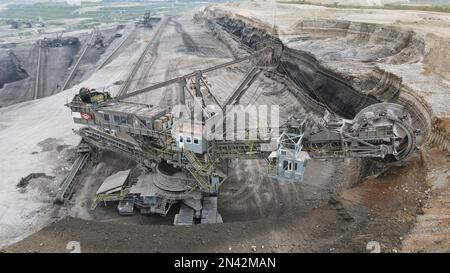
(381, 209)
(431, 232)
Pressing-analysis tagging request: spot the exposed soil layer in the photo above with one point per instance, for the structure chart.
(431, 232)
(322, 85)
(384, 208)
(10, 69)
(19, 63)
(303, 69)
(53, 67)
(377, 43)
(93, 54)
(343, 91)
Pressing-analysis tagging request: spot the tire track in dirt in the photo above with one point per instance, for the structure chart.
(168, 99)
(150, 49)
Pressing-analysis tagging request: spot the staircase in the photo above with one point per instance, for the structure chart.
(197, 168)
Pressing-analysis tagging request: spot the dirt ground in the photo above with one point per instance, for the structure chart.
(431, 232)
(381, 209)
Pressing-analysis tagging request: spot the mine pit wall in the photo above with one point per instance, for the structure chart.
(18, 71)
(323, 85)
(438, 57)
(387, 44)
(11, 70)
(327, 87)
(55, 64)
(302, 69)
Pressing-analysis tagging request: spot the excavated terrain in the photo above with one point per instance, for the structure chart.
(11, 69)
(338, 65)
(315, 74)
(54, 64)
(19, 64)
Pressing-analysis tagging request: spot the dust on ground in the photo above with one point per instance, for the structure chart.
(379, 209)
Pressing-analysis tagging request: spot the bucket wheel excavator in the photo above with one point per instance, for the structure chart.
(188, 154)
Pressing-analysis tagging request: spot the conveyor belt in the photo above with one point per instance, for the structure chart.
(243, 86)
(181, 78)
(75, 67)
(151, 46)
(67, 185)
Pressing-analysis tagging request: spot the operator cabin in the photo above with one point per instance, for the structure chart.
(189, 136)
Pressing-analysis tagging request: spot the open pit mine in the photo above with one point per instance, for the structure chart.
(235, 127)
